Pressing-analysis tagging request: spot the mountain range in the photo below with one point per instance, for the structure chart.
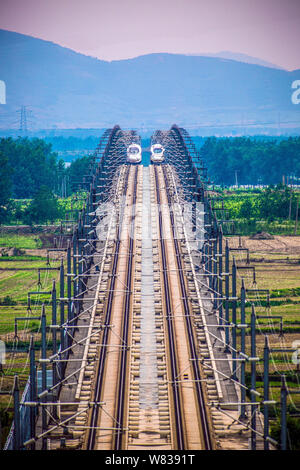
(242, 58)
(61, 88)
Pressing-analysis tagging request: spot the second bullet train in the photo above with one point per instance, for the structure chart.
(157, 153)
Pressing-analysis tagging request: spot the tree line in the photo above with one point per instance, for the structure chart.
(30, 170)
(29, 164)
(274, 202)
(251, 161)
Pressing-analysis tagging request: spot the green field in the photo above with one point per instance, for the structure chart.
(18, 276)
(29, 242)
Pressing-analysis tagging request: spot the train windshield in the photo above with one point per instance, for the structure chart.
(134, 150)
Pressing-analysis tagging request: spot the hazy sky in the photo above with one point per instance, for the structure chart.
(118, 29)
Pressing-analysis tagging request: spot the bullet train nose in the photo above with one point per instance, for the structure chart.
(134, 153)
(157, 153)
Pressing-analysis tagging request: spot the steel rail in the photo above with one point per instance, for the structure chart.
(197, 376)
(124, 352)
(172, 347)
(103, 352)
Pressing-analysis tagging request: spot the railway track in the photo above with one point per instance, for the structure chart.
(188, 403)
(178, 411)
(149, 405)
(106, 422)
(128, 295)
(191, 339)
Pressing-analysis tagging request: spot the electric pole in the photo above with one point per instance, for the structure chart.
(296, 221)
(236, 178)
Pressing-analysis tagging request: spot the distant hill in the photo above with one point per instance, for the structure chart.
(68, 90)
(242, 58)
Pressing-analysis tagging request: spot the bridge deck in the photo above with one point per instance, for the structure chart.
(149, 413)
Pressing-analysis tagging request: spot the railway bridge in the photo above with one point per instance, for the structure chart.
(141, 357)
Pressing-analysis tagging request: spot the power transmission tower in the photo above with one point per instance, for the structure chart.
(23, 120)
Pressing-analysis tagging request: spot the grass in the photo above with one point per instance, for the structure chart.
(18, 276)
(16, 284)
(23, 258)
(8, 315)
(17, 262)
(29, 242)
(282, 279)
(251, 226)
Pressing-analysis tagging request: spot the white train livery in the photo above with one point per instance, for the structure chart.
(134, 153)
(157, 153)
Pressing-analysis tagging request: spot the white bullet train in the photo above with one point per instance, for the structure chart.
(157, 153)
(134, 153)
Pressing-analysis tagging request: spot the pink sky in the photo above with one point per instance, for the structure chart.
(119, 29)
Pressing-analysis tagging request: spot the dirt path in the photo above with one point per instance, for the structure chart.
(280, 244)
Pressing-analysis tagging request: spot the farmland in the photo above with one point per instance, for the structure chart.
(276, 265)
(21, 256)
